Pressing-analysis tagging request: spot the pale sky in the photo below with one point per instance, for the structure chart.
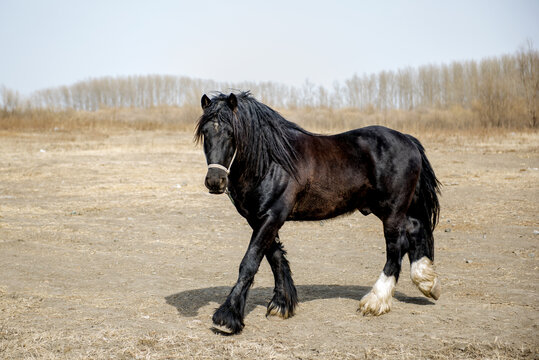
(50, 43)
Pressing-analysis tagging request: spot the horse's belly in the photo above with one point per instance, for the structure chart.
(324, 206)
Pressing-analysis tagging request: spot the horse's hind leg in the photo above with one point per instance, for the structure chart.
(285, 297)
(421, 255)
(378, 300)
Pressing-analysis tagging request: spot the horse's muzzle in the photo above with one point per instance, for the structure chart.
(216, 181)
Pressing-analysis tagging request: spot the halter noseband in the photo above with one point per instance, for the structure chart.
(219, 166)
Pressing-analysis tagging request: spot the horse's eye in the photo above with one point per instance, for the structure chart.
(206, 130)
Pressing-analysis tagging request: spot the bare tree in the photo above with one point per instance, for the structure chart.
(528, 67)
(11, 100)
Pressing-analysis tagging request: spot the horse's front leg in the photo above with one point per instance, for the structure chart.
(231, 313)
(285, 298)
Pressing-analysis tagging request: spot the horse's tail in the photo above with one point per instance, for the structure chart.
(425, 206)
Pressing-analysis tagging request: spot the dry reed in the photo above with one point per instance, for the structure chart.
(322, 120)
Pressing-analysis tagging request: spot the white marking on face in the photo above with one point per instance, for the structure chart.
(216, 125)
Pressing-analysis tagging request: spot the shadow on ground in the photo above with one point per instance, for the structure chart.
(190, 301)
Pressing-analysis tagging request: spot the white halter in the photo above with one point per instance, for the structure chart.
(219, 166)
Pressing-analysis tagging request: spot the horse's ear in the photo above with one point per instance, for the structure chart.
(205, 101)
(232, 101)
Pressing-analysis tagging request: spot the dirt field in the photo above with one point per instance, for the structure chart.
(111, 247)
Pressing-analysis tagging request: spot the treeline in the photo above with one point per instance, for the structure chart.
(499, 91)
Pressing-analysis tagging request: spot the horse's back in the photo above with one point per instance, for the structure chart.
(380, 139)
(351, 170)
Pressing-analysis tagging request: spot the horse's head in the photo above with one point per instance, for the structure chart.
(215, 128)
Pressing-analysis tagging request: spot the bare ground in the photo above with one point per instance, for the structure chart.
(111, 247)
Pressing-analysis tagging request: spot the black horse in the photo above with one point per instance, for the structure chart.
(274, 171)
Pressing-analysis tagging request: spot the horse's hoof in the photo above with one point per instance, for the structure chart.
(279, 308)
(276, 310)
(378, 300)
(436, 289)
(425, 278)
(226, 316)
(371, 304)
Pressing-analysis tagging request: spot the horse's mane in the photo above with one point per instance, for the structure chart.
(262, 135)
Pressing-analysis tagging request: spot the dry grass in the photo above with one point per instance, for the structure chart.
(106, 343)
(323, 120)
(157, 118)
(98, 232)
